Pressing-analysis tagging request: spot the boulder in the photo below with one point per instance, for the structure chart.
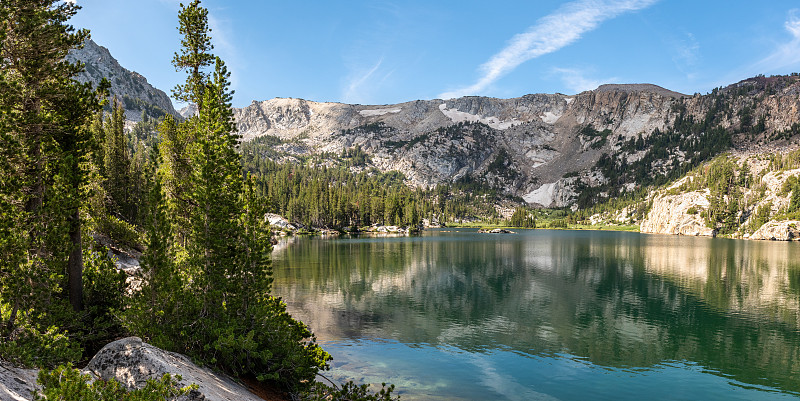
(786, 230)
(131, 362)
(277, 220)
(678, 214)
(16, 383)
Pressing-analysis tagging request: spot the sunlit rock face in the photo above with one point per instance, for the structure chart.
(786, 230)
(130, 87)
(523, 145)
(678, 214)
(533, 146)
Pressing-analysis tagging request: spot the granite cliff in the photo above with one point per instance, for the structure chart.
(130, 87)
(552, 150)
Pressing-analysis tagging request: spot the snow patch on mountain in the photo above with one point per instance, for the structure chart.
(379, 112)
(459, 116)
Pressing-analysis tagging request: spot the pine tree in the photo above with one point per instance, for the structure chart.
(195, 53)
(216, 184)
(219, 246)
(45, 139)
(154, 313)
(794, 200)
(117, 163)
(174, 171)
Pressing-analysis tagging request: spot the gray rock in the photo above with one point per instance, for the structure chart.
(670, 215)
(786, 230)
(132, 362)
(100, 64)
(16, 383)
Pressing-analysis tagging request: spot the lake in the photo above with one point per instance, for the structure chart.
(551, 315)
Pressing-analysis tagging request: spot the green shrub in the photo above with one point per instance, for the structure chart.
(104, 289)
(66, 383)
(349, 391)
(119, 231)
(29, 346)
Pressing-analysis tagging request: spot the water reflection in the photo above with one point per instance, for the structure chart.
(619, 300)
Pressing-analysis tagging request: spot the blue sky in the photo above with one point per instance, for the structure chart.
(382, 52)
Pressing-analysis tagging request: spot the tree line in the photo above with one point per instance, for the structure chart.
(328, 193)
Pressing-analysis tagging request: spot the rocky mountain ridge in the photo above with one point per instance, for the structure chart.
(130, 87)
(551, 150)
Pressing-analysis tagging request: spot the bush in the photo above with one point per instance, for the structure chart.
(29, 346)
(349, 391)
(66, 383)
(104, 289)
(119, 231)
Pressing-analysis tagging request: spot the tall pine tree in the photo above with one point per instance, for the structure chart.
(220, 243)
(45, 141)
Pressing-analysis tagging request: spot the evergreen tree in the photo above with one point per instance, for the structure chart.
(154, 313)
(117, 164)
(195, 54)
(216, 184)
(794, 199)
(45, 142)
(174, 171)
(216, 246)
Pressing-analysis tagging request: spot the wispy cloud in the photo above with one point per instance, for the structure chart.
(363, 81)
(783, 57)
(686, 55)
(224, 47)
(548, 35)
(787, 54)
(576, 80)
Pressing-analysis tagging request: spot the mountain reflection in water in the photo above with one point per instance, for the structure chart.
(622, 301)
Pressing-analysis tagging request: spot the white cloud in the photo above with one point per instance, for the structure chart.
(793, 24)
(686, 55)
(224, 47)
(576, 81)
(548, 35)
(784, 57)
(362, 81)
(787, 54)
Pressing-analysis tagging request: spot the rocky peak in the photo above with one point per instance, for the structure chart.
(639, 88)
(545, 148)
(130, 87)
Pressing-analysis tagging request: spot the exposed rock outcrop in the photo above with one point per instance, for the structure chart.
(544, 148)
(132, 362)
(17, 384)
(130, 87)
(786, 230)
(678, 214)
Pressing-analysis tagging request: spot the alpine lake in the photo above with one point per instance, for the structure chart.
(451, 314)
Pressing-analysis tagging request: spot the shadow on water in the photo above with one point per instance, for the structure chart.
(619, 300)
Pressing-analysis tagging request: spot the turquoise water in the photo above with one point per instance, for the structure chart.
(552, 315)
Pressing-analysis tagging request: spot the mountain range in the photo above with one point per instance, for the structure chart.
(550, 150)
